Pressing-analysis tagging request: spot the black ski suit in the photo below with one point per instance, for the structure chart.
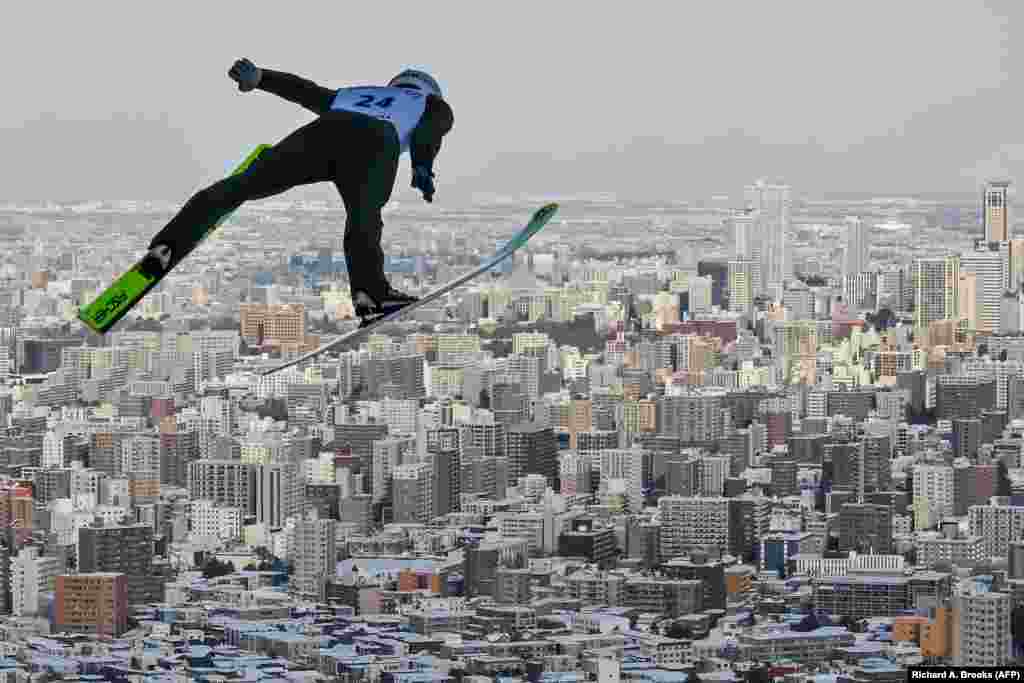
(357, 152)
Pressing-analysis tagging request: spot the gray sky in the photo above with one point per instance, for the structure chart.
(660, 99)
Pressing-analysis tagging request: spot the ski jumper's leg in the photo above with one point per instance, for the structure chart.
(299, 159)
(365, 178)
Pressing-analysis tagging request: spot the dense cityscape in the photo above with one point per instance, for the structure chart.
(731, 439)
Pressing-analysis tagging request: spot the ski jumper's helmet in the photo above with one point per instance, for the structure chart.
(413, 78)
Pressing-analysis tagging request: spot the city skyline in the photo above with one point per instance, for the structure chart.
(662, 431)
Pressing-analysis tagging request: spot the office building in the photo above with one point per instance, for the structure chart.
(996, 211)
(94, 603)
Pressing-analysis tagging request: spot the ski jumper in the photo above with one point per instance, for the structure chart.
(355, 143)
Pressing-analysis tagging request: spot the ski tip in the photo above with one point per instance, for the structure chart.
(542, 216)
(84, 319)
(547, 211)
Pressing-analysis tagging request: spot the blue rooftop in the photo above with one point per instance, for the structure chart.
(418, 676)
(561, 677)
(879, 665)
(378, 567)
(662, 676)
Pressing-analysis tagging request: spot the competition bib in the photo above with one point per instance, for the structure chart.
(401, 106)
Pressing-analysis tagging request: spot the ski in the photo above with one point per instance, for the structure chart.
(126, 291)
(539, 219)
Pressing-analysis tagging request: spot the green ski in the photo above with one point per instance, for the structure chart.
(126, 291)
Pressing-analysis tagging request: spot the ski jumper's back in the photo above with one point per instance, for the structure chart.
(421, 121)
(402, 107)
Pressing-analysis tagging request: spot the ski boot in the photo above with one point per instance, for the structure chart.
(369, 311)
(157, 261)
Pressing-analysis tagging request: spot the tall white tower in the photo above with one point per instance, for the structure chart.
(748, 244)
(989, 269)
(858, 246)
(771, 202)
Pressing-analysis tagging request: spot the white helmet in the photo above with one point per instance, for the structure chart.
(413, 78)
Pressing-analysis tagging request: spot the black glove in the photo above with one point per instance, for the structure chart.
(246, 74)
(423, 180)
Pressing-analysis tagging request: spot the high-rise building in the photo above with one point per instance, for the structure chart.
(1015, 271)
(590, 539)
(481, 562)
(860, 290)
(92, 602)
(16, 509)
(961, 397)
(359, 437)
(312, 554)
(688, 522)
(533, 449)
(413, 502)
(865, 528)
(933, 492)
(273, 323)
(798, 301)
(967, 284)
(700, 289)
(990, 271)
(981, 627)
(877, 462)
(678, 474)
(749, 521)
(749, 244)
(579, 418)
(621, 471)
(857, 246)
(995, 201)
(227, 482)
(998, 525)
(574, 474)
(357, 511)
(718, 271)
(967, 437)
(487, 439)
(216, 521)
(973, 484)
(743, 233)
(891, 287)
(126, 550)
(508, 403)
(32, 576)
(388, 454)
(784, 477)
(395, 376)
(1015, 560)
(699, 416)
(741, 286)
(770, 203)
(179, 447)
(277, 492)
(699, 566)
(445, 455)
(714, 470)
(935, 283)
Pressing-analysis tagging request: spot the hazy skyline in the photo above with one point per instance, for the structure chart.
(132, 100)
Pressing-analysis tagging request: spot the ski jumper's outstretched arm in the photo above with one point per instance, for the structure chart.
(301, 91)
